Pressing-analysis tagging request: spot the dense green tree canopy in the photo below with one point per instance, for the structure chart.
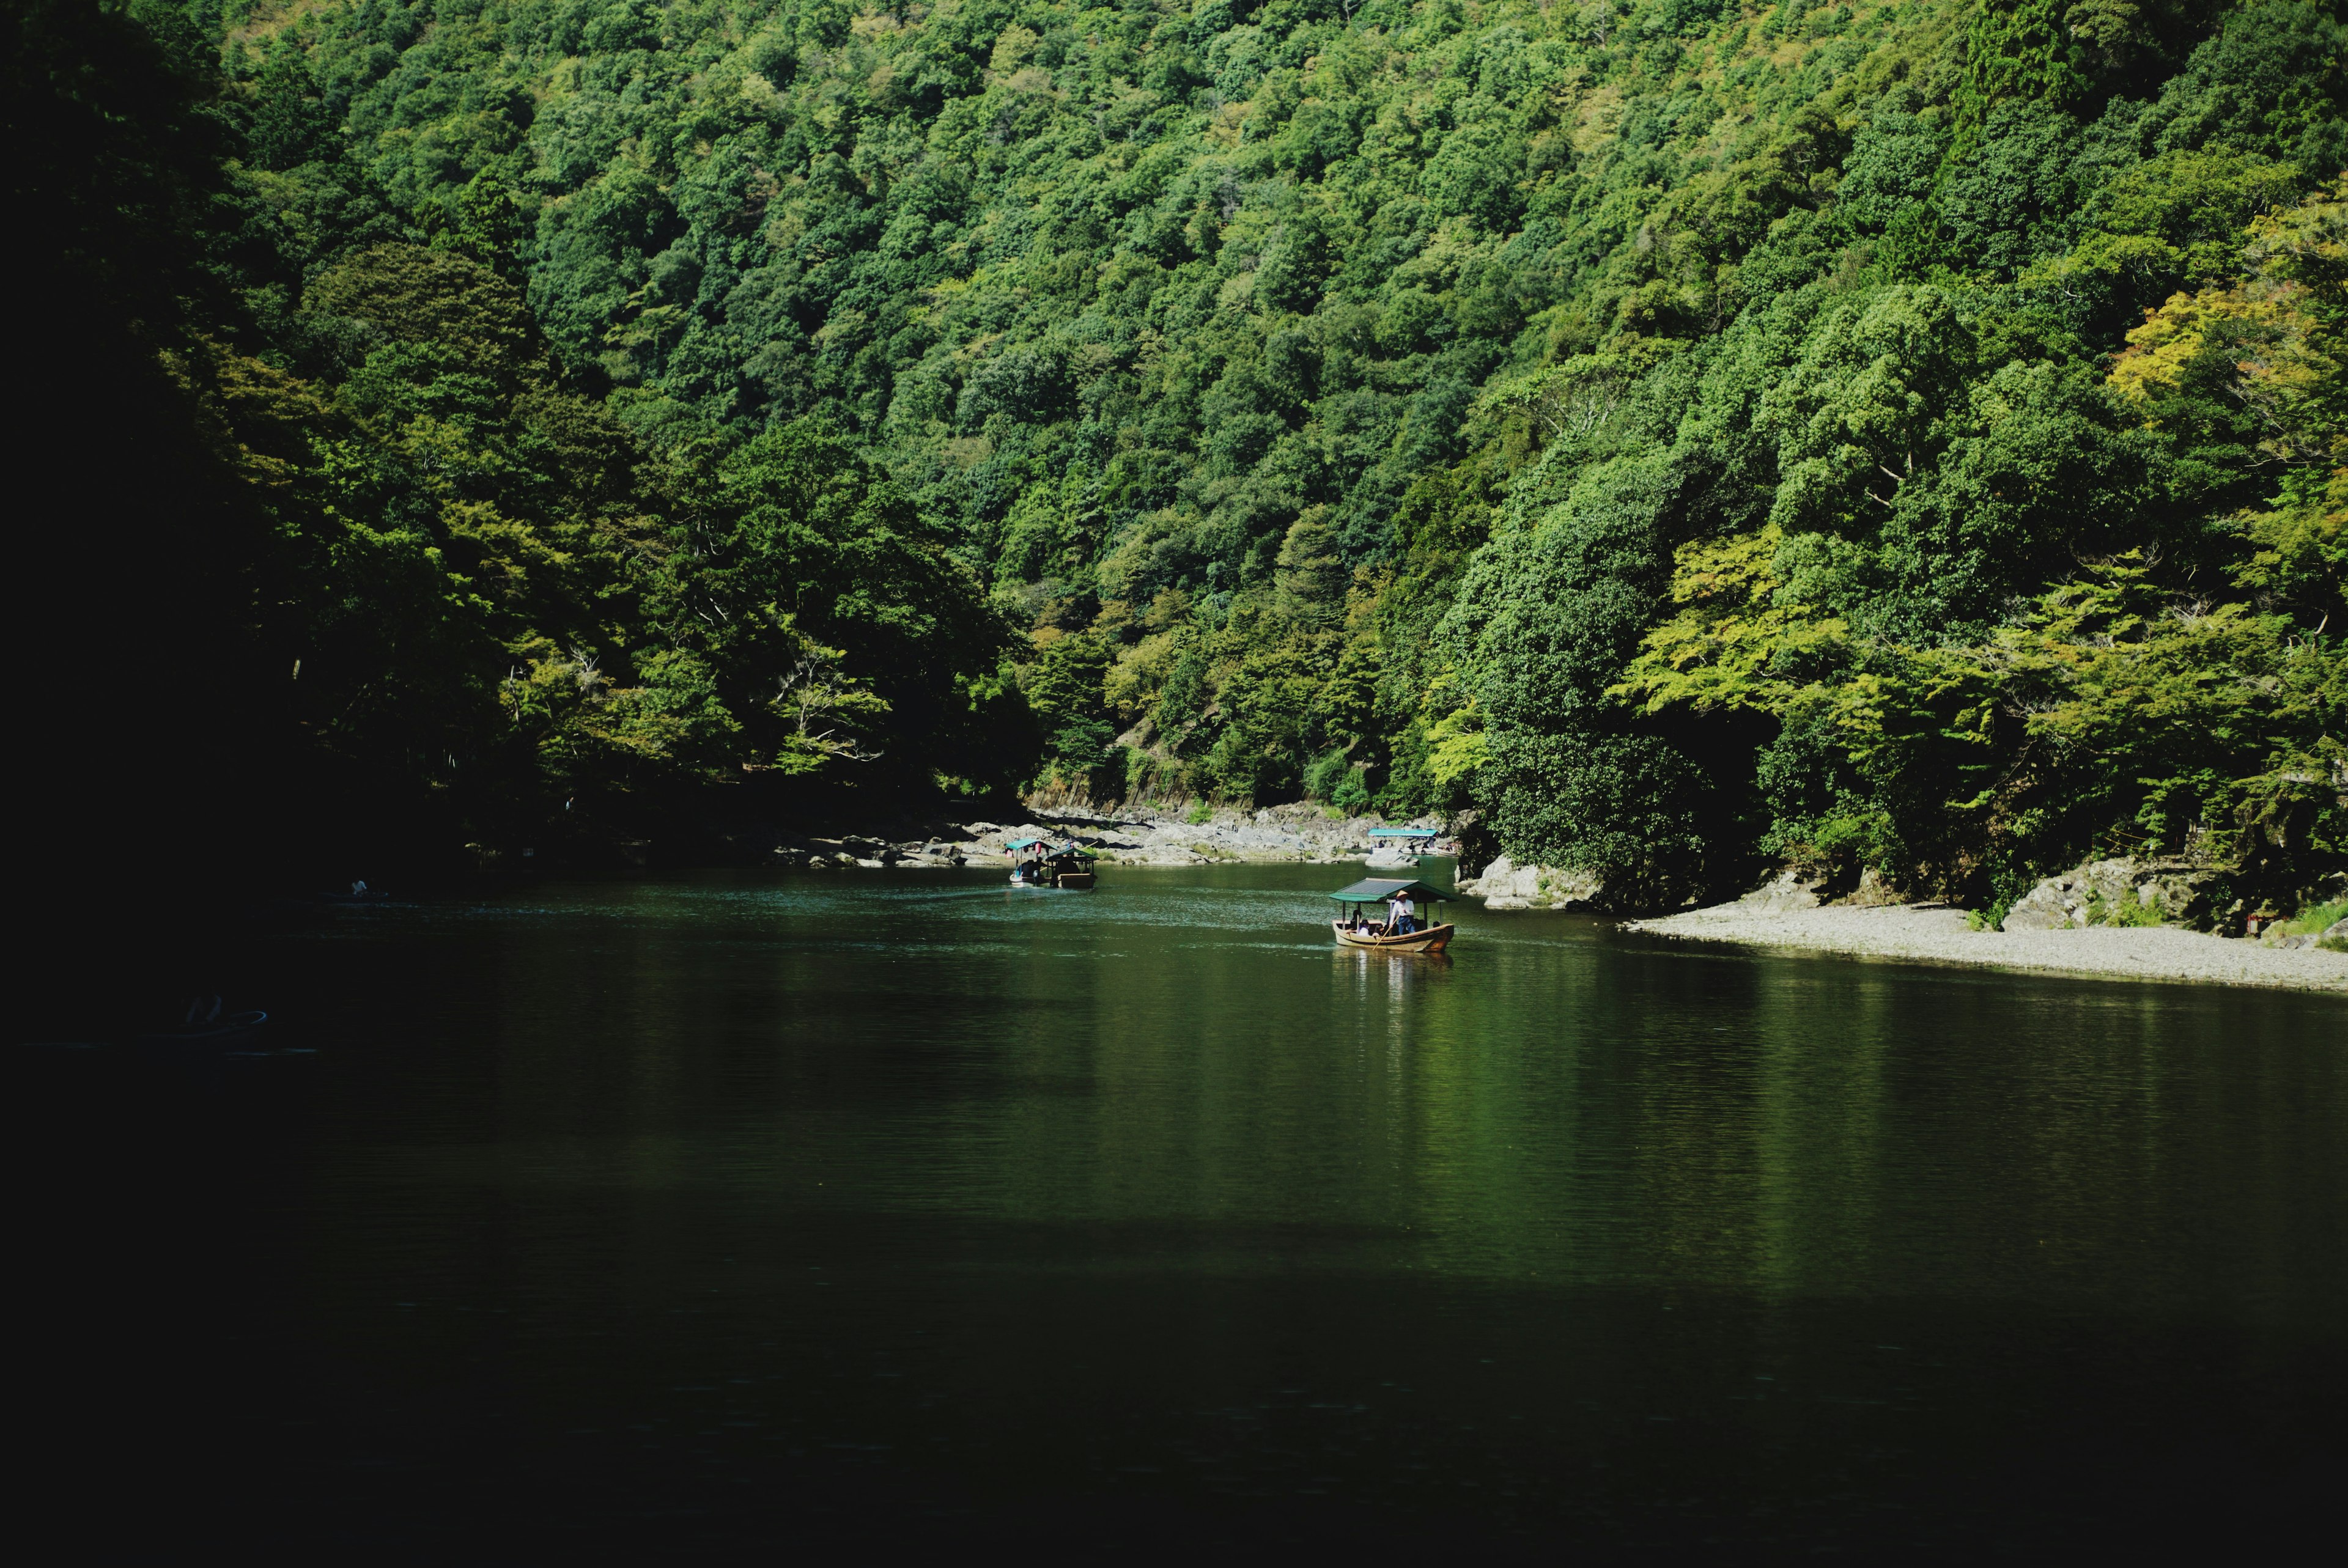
(1686, 431)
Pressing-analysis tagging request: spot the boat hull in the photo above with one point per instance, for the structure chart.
(1433, 939)
(1075, 879)
(234, 1030)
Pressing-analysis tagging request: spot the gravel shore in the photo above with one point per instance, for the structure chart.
(1935, 935)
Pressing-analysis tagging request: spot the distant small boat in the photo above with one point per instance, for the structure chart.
(230, 1031)
(1357, 930)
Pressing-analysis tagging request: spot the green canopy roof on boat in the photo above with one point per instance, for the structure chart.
(1379, 889)
(1401, 833)
(1024, 843)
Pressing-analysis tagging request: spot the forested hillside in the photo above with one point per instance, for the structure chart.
(1686, 435)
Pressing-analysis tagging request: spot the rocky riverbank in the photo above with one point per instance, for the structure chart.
(1291, 833)
(1505, 885)
(1934, 934)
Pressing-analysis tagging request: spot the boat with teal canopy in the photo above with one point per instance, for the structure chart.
(1400, 848)
(1039, 863)
(1404, 930)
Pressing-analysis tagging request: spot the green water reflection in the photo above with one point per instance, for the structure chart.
(1188, 1049)
(1080, 1167)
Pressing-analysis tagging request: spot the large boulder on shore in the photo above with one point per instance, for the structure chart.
(1789, 890)
(2181, 894)
(1505, 885)
(1794, 887)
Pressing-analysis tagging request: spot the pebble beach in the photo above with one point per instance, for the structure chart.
(1932, 934)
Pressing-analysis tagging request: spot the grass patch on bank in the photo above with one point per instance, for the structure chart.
(2309, 922)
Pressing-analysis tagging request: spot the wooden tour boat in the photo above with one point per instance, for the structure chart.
(1036, 863)
(1354, 929)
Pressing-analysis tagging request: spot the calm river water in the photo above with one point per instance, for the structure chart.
(729, 1209)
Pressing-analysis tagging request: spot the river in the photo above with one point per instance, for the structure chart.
(726, 1210)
